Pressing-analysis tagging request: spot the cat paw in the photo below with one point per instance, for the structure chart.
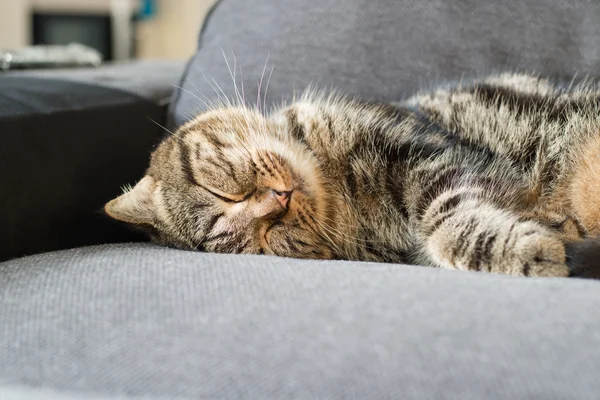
(535, 251)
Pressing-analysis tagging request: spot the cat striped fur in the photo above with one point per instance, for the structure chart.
(498, 175)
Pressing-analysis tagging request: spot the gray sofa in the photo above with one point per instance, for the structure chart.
(129, 320)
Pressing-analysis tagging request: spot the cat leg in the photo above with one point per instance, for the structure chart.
(463, 231)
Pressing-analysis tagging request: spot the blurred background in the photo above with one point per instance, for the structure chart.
(119, 29)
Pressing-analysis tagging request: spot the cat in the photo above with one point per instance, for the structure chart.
(499, 175)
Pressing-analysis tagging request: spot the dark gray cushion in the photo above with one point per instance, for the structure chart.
(139, 320)
(68, 144)
(150, 79)
(385, 49)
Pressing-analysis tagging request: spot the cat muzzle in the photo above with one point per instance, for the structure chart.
(283, 197)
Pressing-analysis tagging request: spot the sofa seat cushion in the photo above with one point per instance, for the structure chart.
(140, 320)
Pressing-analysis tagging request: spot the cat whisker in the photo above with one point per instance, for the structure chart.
(232, 74)
(167, 130)
(224, 95)
(348, 238)
(242, 85)
(174, 135)
(267, 89)
(191, 94)
(221, 100)
(325, 231)
(209, 101)
(261, 81)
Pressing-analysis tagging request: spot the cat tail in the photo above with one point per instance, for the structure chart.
(583, 258)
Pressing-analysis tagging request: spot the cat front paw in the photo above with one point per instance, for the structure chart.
(533, 250)
(499, 244)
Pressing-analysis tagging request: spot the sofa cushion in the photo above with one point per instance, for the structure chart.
(150, 79)
(383, 49)
(68, 145)
(139, 320)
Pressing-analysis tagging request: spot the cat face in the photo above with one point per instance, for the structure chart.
(231, 181)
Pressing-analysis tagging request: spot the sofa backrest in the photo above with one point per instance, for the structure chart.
(384, 49)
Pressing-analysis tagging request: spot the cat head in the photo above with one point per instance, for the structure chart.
(231, 181)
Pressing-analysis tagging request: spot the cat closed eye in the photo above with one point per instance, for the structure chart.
(228, 198)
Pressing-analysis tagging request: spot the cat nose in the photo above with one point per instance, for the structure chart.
(283, 197)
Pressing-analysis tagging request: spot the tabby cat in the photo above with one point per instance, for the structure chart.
(499, 175)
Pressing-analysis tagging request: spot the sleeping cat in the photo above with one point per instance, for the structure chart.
(500, 175)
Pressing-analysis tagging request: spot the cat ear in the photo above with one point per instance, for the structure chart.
(135, 206)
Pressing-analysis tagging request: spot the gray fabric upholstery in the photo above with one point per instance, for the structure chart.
(385, 49)
(139, 320)
(22, 392)
(151, 79)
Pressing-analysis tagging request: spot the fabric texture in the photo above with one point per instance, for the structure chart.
(140, 320)
(67, 148)
(382, 49)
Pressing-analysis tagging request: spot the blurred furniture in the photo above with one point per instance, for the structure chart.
(106, 25)
(116, 27)
(75, 136)
(137, 321)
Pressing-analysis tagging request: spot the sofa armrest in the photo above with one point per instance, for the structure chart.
(70, 140)
(153, 80)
